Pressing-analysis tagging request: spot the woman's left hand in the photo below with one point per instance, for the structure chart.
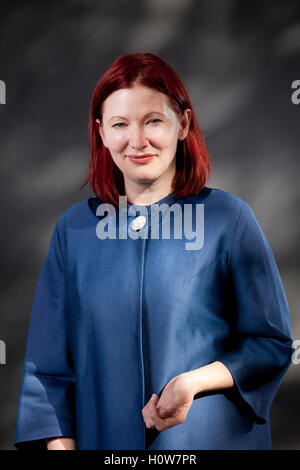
(173, 405)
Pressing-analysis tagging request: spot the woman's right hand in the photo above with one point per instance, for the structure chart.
(61, 443)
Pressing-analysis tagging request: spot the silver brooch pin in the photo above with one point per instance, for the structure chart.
(138, 223)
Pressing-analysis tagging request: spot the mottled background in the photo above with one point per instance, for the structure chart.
(237, 59)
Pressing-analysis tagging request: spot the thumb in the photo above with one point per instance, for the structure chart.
(164, 410)
(163, 413)
(168, 409)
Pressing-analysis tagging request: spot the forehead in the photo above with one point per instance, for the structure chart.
(136, 100)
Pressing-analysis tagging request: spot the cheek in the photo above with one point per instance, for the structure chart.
(163, 138)
(116, 141)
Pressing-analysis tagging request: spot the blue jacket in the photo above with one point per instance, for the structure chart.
(114, 320)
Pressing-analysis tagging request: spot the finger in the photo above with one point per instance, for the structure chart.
(149, 424)
(154, 399)
(146, 408)
(147, 416)
(149, 413)
(172, 417)
(165, 411)
(169, 408)
(168, 404)
(170, 422)
(152, 413)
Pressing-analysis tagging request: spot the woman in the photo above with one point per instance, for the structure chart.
(140, 338)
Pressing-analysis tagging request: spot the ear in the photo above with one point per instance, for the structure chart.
(100, 130)
(185, 124)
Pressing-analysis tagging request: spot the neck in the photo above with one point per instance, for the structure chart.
(146, 196)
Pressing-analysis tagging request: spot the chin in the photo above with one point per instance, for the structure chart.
(145, 179)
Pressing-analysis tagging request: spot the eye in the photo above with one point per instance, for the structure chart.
(118, 124)
(155, 119)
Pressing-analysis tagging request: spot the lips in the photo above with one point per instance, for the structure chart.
(146, 157)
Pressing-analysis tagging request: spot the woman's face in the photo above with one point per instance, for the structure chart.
(138, 121)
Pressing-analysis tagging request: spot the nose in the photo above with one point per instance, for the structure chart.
(137, 138)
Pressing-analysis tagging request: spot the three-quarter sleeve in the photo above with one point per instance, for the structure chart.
(263, 348)
(46, 402)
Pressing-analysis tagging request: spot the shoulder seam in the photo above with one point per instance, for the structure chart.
(235, 228)
(59, 241)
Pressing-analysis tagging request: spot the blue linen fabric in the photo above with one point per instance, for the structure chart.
(114, 320)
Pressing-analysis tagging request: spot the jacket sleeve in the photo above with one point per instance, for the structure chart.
(46, 402)
(263, 349)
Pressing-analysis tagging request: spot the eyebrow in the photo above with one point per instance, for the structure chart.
(146, 115)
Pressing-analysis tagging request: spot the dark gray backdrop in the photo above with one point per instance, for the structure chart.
(237, 59)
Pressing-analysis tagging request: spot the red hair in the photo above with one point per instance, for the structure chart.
(192, 159)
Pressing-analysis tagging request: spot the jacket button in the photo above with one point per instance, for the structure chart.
(138, 223)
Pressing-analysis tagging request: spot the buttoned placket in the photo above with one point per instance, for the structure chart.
(140, 226)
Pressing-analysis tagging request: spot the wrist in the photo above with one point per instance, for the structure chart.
(195, 379)
(213, 376)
